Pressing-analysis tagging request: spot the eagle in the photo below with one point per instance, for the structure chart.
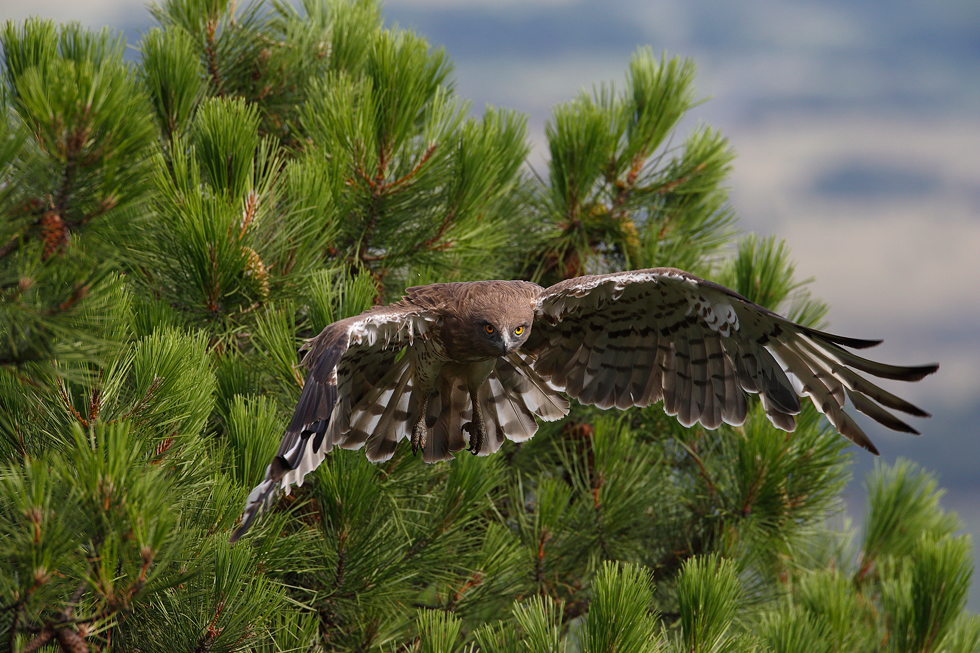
(466, 365)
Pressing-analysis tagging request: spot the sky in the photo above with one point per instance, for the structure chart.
(857, 129)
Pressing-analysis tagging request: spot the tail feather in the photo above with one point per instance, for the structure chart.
(495, 435)
(445, 436)
(514, 418)
(540, 398)
(515, 393)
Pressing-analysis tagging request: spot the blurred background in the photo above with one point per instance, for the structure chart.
(857, 128)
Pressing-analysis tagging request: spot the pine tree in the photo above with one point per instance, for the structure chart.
(174, 229)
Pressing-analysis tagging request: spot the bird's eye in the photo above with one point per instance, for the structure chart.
(518, 331)
(489, 328)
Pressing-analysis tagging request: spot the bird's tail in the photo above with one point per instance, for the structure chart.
(511, 397)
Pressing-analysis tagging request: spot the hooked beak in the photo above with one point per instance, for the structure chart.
(509, 344)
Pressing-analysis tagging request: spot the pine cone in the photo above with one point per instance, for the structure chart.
(54, 232)
(255, 269)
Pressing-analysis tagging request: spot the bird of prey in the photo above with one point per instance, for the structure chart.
(466, 365)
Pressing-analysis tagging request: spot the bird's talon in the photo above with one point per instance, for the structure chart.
(475, 443)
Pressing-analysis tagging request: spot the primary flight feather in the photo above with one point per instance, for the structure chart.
(483, 359)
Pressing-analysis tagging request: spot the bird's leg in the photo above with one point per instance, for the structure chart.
(420, 429)
(477, 428)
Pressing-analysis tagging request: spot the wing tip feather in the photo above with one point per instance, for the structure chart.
(843, 341)
(256, 503)
(922, 371)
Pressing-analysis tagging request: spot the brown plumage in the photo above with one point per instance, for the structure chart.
(466, 365)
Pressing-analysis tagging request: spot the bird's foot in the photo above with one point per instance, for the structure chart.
(421, 428)
(477, 437)
(418, 436)
(476, 427)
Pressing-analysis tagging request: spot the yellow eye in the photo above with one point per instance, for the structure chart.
(518, 331)
(489, 328)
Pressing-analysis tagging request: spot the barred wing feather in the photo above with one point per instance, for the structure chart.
(635, 338)
(348, 361)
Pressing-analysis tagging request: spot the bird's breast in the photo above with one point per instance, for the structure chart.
(473, 374)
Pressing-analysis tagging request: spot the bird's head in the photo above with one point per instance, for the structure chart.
(488, 319)
(502, 335)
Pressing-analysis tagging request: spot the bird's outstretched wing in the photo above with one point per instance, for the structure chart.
(347, 361)
(633, 338)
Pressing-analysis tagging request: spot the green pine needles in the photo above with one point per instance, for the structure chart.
(173, 230)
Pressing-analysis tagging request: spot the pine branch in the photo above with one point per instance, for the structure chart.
(210, 29)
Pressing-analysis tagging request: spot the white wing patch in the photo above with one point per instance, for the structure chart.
(719, 315)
